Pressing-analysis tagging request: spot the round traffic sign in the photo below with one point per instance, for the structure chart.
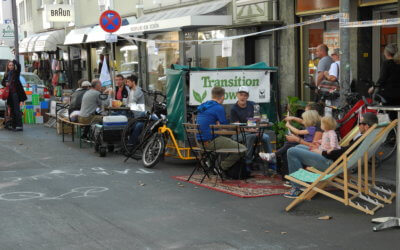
(110, 21)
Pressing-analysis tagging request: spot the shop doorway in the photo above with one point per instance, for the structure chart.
(382, 36)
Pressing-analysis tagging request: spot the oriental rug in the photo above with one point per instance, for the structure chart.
(257, 186)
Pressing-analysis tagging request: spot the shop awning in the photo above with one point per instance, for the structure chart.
(23, 45)
(32, 42)
(48, 41)
(76, 36)
(193, 15)
(96, 34)
(192, 10)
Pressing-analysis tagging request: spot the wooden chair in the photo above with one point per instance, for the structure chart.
(316, 181)
(232, 131)
(204, 157)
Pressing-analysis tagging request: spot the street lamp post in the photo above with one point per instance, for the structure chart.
(344, 52)
(15, 22)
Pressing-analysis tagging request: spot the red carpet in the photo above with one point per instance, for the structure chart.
(258, 186)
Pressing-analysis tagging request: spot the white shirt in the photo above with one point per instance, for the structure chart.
(334, 69)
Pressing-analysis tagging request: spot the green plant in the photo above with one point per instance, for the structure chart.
(294, 104)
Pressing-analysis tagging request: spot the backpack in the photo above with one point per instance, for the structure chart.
(238, 171)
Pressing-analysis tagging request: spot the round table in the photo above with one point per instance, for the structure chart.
(389, 222)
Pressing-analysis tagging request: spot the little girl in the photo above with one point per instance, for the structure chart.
(329, 141)
(311, 120)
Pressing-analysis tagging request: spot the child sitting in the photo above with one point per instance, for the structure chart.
(311, 120)
(329, 141)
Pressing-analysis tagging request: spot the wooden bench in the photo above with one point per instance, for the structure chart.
(65, 120)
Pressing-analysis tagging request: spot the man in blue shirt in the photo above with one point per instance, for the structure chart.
(241, 112)
(212, 113)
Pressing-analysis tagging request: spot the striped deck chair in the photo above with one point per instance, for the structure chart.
(361, 183)
(316, 182)
(371, 189)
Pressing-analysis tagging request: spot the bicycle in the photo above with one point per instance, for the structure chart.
(147, 124)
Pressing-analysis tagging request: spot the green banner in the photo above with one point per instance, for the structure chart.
(176, 102)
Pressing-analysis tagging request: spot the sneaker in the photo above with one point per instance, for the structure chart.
(266, 156)
(287, 184)
(293, 193)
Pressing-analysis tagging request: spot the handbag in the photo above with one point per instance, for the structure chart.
(54, 80)
(5, 92)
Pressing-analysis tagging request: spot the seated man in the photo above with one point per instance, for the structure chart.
(212, 113)
(135, 92)
(121, 91)
(76, 99)
(301, 155)
(241, 112)
(90, 102)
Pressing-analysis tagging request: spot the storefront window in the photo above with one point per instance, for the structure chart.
(160, 57)
(211, 52)
(127, 60)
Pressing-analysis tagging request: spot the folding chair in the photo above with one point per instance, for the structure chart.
(230, 131)
(361, 183)
(381, 193)
(319, 180)
(198, 148)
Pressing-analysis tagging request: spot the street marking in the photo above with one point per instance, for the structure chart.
(80, 192)
(142, 171)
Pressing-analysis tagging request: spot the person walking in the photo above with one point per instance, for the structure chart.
(16, 93)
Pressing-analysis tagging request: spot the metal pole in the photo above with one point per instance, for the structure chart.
(113, 69)
(344, 52)
(398, 168)
(15, 22)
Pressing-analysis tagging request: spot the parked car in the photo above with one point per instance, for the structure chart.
(25, 78)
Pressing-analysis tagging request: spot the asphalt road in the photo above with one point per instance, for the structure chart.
(54, 195)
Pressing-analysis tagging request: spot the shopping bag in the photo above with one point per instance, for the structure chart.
(5, 92)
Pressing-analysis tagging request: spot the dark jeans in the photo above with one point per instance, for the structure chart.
(16, 114)
(137, 130)
(282, 152)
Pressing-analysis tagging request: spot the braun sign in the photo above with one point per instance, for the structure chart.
(60, 13)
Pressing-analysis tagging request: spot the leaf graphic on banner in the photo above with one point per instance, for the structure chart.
(204, 96)
(197, 96)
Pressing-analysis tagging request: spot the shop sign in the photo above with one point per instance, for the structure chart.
(60, 13)
(6, 31)
(201, 83)
(111, 38)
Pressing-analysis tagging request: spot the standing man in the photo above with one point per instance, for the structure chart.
(241, 112)
(333, 74)
(212, 113)
(324, 63)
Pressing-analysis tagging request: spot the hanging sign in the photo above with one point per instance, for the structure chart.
(110, 21)
(201, 83)
(6, 31)
(60, 13)
(111, 38)
(227, 48)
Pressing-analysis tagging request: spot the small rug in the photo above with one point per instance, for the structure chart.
(257, 186)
